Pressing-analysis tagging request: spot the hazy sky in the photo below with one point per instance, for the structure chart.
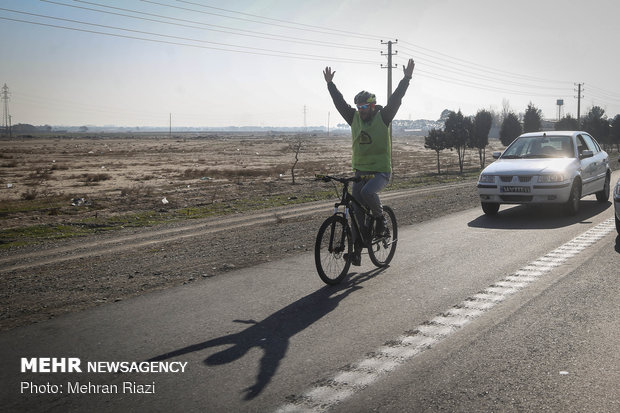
(260, 62)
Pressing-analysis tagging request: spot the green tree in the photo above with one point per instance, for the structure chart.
(567, 123)
(596, 124)
(444, 115)
(24, 128)
(510, 129)
(480, 135)
(614, 132)
(436, 140)
(458, 131)
(532, 121)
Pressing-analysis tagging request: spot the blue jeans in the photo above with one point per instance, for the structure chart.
(366, 192)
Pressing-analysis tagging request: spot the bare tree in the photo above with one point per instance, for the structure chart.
(505, 109)
(296, 148)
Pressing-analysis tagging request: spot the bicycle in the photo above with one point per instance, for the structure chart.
(333, 249)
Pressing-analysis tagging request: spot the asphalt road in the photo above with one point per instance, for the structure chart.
(513, 313)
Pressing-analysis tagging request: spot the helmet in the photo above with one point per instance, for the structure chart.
(365, 97)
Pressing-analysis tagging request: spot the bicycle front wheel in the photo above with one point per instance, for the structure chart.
(332, 250)
(382, 249)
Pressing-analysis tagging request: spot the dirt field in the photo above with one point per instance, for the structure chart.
(51, 180)
(52, 187)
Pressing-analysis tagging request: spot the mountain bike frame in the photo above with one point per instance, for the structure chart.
(364, 232)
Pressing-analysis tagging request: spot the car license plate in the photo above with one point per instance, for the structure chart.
(516, 189)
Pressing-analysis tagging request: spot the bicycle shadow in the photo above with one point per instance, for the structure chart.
(272, 334)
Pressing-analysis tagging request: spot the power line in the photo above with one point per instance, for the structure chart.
(462, 61)
(331, 31)
(472, 74)
(431, 64)
(337, 31)
(603, 94)
(479, 86)
(254, 51)
(440, 64)
(307, 57)
(487, 78)
(350, 34)
(243, 32)
(476, 66)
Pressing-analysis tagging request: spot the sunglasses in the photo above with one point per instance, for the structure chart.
(366, 106)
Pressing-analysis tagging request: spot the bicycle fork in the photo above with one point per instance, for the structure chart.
(340, 246)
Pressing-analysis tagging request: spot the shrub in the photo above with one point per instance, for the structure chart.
(30, 194)
(95, 177)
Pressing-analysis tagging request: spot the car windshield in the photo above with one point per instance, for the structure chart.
(540, 147)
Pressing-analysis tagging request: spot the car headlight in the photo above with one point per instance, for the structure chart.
(547, 179)
(486, 179)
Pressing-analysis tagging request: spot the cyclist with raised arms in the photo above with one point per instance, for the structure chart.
(371, 144)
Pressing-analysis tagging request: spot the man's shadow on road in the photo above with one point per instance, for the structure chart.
(272, 334)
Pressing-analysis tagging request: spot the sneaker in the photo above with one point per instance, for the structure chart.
(380, 227)
(356, 258)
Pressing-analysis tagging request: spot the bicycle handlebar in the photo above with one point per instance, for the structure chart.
(327, 178)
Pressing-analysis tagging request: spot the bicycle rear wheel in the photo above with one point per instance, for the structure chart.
(381, 250)
(332, 250)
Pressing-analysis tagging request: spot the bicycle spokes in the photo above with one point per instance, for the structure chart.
(332, 250)
(382, 248)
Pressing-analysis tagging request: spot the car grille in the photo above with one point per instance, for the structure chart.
(517, 198)
(521, 178)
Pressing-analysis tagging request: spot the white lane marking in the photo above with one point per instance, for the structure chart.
(350, 379)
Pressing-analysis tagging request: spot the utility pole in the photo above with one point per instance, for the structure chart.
(6, 118)
(579, 97)
(389, 67)
(170, 126)
(328, 113)
(305, 110)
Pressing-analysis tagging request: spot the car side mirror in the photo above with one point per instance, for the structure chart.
(496, 155)
(586, 154)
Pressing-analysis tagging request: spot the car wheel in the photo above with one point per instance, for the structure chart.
(490, 208)
(603, 195)
(572, 205)
(618, 225)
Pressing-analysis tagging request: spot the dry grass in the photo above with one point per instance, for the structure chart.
(39, 177)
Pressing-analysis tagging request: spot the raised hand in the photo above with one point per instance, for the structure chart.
(328, 74)
(408, 70)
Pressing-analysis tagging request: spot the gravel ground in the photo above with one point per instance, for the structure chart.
(127, 263)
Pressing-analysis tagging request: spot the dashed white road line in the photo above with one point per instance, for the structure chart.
(350, 379)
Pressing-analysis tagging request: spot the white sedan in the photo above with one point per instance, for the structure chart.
(557, 167)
